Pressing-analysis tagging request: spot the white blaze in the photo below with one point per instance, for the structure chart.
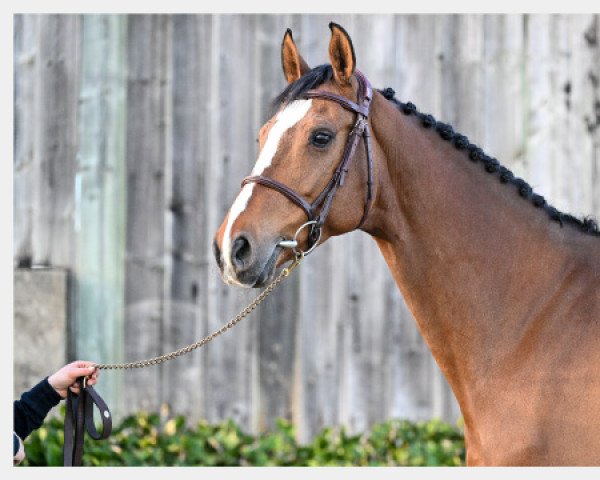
(284, 120)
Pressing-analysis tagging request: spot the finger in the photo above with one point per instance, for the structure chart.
(83, 363)
(82, 372)
(80, 363)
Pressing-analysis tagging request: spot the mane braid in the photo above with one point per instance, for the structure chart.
(324, 73)
(491, 165)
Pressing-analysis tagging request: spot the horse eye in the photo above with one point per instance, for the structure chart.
(321, 139)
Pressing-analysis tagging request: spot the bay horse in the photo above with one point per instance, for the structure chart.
(505, 288)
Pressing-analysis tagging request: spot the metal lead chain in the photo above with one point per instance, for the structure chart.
(182, 351)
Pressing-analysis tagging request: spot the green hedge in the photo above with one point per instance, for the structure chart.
(142, 440)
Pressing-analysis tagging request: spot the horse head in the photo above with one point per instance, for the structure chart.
(305, 151)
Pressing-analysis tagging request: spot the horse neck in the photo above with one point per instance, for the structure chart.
(471, 257)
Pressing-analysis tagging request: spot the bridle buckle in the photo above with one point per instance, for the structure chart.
(359, 126)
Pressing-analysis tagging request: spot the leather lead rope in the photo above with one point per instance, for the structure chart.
(79, 417)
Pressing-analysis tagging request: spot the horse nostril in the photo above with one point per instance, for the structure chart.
(240, 251)
(217, 253)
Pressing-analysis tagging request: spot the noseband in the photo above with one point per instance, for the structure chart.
(318, 210)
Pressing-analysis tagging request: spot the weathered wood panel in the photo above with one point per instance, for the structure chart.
(189, 245)
(147, 152)
(174, 103)
(55, 139)
(592, 100)
(26, 53)
(100, 197)
(503, 99)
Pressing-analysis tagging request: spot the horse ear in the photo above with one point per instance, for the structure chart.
(292, 62)
(341, 54)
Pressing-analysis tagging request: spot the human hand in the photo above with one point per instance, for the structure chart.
(66, 377)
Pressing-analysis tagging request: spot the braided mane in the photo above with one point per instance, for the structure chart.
(324, 73)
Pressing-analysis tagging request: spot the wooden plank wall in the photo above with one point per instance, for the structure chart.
(97, 287)
(132, 135)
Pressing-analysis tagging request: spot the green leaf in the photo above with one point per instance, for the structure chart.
(142, 440)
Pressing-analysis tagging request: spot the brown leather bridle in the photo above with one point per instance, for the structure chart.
(318, 210)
